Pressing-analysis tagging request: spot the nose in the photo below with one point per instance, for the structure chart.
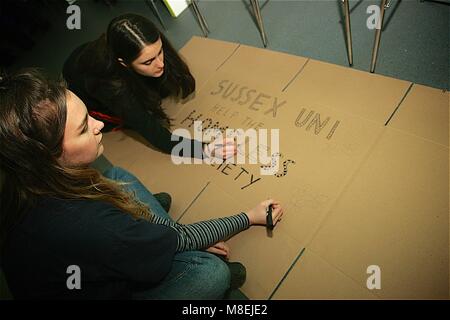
(99, 126)
(160, 62)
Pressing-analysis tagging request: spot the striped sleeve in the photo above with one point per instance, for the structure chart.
(204, 234)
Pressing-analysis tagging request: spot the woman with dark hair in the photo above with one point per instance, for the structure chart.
(58, 215)
(124, 75)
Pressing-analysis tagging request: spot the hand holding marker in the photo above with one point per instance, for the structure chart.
(221, 148)
(268, 213)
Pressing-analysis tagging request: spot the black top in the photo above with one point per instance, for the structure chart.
(115, 253)
(125, 106)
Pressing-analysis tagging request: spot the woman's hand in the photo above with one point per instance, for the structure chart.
(221, 148)
(258, 214)
(220, 248)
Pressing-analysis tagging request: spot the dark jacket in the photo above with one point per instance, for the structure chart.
(116, 254)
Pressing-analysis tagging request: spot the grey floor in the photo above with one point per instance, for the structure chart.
(414, 44)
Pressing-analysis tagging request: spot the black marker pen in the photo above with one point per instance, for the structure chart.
(269, 221)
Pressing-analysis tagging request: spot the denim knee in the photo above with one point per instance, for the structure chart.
(216, 276)
(195, 275)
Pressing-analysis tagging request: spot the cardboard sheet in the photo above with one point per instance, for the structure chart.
(321, 147)
(275, 69)
(265, 258)
(121, 148)
(243, 64)
(314, 278)
(205, 56)
(394, 214)
(424, 112)
(364, 94)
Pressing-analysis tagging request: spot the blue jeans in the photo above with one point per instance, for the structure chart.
(194, 274)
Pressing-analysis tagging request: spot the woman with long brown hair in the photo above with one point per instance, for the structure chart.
(124, 75)
(59, 215)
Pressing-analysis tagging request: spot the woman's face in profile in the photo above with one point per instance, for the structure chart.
(150, 62)
(82, 137)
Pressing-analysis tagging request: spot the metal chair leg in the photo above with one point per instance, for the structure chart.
(200, 18)
(348, 32)
(151, 3)
(258, 16)
(376, 45)
(203, 19)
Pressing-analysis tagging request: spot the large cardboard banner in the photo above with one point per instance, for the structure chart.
(361, 169)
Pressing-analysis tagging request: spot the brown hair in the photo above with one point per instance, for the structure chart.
(32, 123)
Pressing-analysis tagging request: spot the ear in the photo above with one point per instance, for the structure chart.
(121, 62)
